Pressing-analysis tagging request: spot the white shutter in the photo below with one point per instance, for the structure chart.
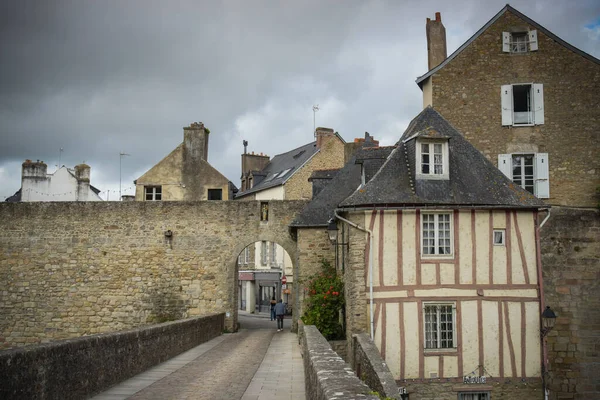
(506, 104)
(505, 165)
(533, 42)
(542, 176)
(506, 42)
(538, 104)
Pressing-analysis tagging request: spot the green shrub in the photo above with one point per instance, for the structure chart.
(325, 300)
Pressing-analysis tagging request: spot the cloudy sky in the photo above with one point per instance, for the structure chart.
(101, 77)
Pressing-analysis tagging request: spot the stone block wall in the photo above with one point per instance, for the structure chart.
(330, 156)
(74, 269)
(78, 368)
(571, 267)
(466, 91)
(313, 247)
(327, 376)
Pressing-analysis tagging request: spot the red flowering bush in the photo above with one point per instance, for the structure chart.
(325, 300)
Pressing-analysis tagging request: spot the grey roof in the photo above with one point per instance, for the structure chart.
(488, 24)
(291, 161)
(473, 180)
(323, 174)
(345, 182)
(15, 197)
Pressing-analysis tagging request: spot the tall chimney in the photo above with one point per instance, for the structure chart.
(195, 150)
(82, 173)
(436, 41)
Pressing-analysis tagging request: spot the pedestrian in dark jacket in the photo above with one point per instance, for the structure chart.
(279, 312)
(273, 303)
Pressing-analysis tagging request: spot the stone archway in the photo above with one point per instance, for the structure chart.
(107, 263)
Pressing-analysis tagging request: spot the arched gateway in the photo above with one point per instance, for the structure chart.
(100, 267)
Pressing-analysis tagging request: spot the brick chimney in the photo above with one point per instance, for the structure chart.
(436, 41)
(323, 136)
(251, 162)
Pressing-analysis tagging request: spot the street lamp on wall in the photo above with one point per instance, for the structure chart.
(332, 231)
(548, 321)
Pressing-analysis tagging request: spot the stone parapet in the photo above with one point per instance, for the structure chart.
(327, 376)
(78, 368)
(371, 368)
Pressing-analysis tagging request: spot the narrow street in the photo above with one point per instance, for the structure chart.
(226, 368)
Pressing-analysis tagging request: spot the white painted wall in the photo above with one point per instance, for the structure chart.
(59, 186)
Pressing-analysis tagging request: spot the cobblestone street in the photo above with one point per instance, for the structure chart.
(256, 363)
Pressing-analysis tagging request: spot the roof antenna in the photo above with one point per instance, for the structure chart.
(315, 109)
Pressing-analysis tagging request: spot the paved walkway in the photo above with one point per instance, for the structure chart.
(253, 364)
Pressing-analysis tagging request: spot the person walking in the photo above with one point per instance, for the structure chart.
(273, 303)
(279, 312)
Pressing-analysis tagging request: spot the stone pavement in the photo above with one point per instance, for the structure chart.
(281, 374)
(252, 364)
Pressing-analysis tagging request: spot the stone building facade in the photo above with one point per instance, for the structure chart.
(185, 174)
(550, 117)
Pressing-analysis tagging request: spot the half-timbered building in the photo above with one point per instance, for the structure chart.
(444, 270)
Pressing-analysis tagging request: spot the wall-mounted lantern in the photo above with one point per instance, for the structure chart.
(548, 320)
(169, 234)
(332, 231)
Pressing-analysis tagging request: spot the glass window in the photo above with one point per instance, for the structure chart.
(499, 237)
(439, 326)
(518, 43)
(153, 193)
(215, 194)
(522, 171)
(437, 231)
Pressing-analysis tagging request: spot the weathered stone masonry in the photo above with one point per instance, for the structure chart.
(73, 269)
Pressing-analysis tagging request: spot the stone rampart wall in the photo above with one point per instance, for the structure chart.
(571, 266)
(78, 368)
(74, 269)
(371, 368)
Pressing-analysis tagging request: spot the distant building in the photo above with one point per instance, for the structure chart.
(65, 184)
(185, 173)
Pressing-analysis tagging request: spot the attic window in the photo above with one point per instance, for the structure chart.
(432, 159)
(519, 42)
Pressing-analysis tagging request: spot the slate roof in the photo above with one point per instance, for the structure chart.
(323, 174)
(488, 24)
(474, 181)
(292, 161)
(346, 181)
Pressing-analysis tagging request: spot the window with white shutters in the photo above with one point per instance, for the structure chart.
(522, 104)
(530, 171)
(519, 42)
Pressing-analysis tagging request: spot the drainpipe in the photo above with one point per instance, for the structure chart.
(370, 266)
(542, 302)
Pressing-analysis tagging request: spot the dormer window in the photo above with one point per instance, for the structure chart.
(432, 159)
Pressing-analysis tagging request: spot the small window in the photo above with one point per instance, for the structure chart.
(499, 237)
(273, 254)
(263, 253)
(519, 42)
(436, 234)
(215, 194)
(283, 173)
(432, 160)
(244, 256)
(439, 326)
(474, 396)
(153, 193)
